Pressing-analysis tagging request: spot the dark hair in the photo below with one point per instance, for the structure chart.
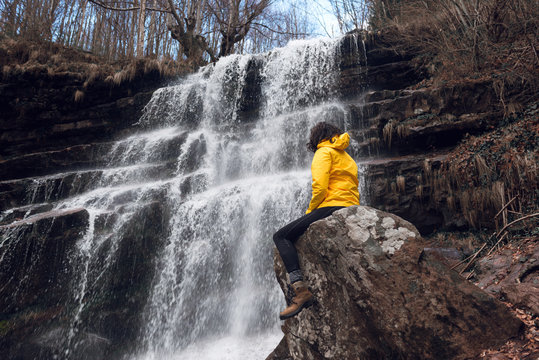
(320, 132)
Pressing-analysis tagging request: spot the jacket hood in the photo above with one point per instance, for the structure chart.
(339, 142)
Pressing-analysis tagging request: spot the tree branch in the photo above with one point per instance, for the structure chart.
(105, 6)
(516, 221)
(172, 10)
(279, 32)
(506, 205)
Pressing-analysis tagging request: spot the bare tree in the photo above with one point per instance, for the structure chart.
(351, 14)
(235, 18)
(187, 32)
(141, 28)
(200, 30)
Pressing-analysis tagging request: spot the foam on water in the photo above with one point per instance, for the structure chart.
(224, 348)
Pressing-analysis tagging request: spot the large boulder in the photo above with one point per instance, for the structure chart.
(380, 296)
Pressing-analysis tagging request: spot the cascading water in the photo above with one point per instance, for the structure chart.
(239, 172)
(216, 278)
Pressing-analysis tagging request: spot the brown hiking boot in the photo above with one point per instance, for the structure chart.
(302, 299)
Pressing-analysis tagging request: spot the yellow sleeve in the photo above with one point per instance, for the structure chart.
(320, 168)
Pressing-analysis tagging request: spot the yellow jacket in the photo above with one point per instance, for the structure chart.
(334, 175)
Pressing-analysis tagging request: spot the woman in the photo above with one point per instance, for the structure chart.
(334, 186)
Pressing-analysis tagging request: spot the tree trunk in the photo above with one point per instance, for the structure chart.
(81, 27)
(131, 25)
(140, 37)
(152, 32)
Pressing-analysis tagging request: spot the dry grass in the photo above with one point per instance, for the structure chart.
(145, 66)
(427, 168)
(374, 143)
(451, 202)
(403, 130)
(388, 131)
(457, 39)
(19, 56)
(393, 187)
(484, 173)
(401, 183)
(79, 96)
(391, 128)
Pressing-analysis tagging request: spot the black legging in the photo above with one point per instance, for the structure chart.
(285, 237)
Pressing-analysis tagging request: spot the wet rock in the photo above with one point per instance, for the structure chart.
(114, 302)
(35, 274)
(383, 192)
(412, 121)
(250, 101)
(24, 192)
(399, 130)
(35, 258)
(40, 113)
(367, 62)
(46, 346)
(506, 277)
(49, 162)
(17, 196)
(22, 212)
(380, 296)
(39, 297)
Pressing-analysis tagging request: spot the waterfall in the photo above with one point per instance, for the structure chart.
(216, 278)
(223, 153)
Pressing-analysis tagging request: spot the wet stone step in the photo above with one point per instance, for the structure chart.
(375, 96)
(49, 162)
(104, 222)
(367, 148)
(19, 213)
(44, 189)
(157, 146)
(15, 193)
(137, 149)
(456, 100)
(193, 183)
(34, 256)
(364, 133)
(384, 192)
(397, 75)
(123, 200)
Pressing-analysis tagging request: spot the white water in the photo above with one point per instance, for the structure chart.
(233, 183)
(216, 295)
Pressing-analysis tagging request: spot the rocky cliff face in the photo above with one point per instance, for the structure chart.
(54, 148)
(39, 281)
(380, 296)
(402, 134)
(45, 132)
(406, 128)
(40, 113)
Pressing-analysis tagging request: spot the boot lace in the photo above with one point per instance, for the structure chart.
(290, 295)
